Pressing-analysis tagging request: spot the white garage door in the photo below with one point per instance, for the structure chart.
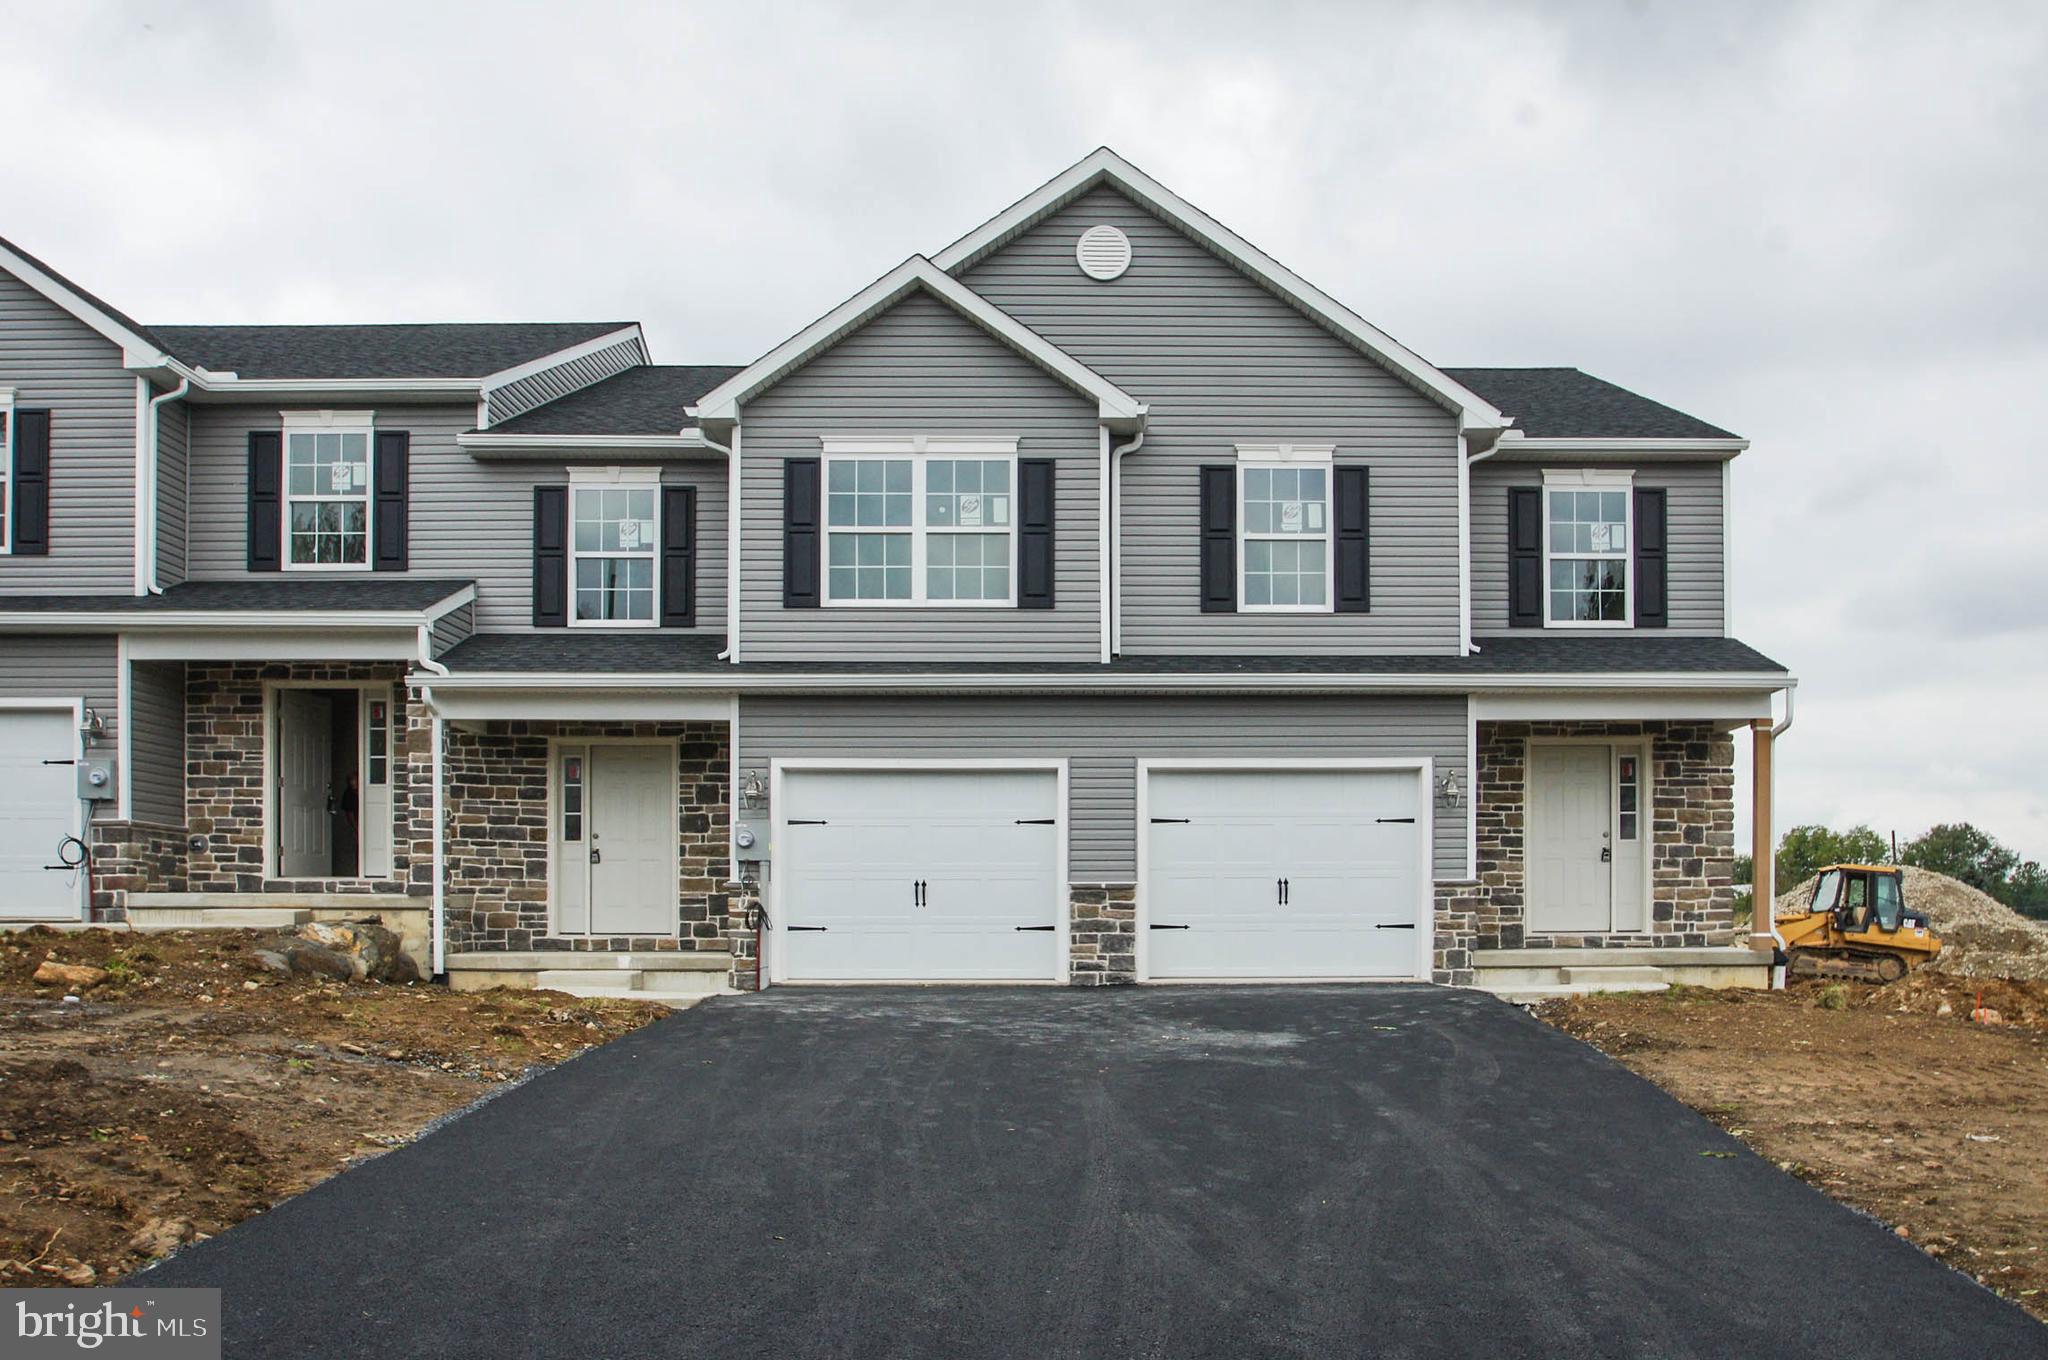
(919, 875)
(1285, 874)
(38, 809)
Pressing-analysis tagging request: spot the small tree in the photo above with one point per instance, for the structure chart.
(1806, 850)
(1963, 852)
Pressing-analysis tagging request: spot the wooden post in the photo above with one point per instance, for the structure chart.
(1762, 842)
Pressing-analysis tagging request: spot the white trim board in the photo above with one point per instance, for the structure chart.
(1105, 166)
(722, 403)
(1424, 768)
(1062, 872)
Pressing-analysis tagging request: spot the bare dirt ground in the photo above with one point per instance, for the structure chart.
(1929, 1122)
(193, 1090)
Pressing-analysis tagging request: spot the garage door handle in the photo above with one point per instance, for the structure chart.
(813, 928)
(1405, 925)
(1035, 821)
(1037, 927)
(1409, 820)
(1169, 821)
(1159, 927)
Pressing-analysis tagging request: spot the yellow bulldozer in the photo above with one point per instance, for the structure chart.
(1857, 926)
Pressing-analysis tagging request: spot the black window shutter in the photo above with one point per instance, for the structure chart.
(266, 499)
(1653, 585)
(679, 557)
(1219, 539)
(551, 557)
(1034, 533)
(393, 480)
(1354, 540)
(802, 516)
(1525, 557)
(31, 508)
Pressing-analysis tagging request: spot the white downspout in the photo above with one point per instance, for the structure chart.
(1465, 643)
(1764, 877)
(1115, 566)
(152, 460)
(732, 541)
(438, 930)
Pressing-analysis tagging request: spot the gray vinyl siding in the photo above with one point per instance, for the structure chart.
(65, 667)
(173, 441)
(516, 398)
(922, 368)
(55, 361)
(156, 762)
(453, 627)
(1103, 738)
(1693, 520)
(1221, 360)
(471, 520)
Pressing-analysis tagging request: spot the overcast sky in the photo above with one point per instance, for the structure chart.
(1819, 225)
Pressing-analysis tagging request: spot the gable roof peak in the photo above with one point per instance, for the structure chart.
(1104, 165)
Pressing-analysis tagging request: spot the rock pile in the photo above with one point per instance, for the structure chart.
(342, 950)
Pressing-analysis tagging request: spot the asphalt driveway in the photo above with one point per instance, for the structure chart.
(1229, 1172)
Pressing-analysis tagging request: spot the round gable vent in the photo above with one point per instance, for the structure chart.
(1103, 252)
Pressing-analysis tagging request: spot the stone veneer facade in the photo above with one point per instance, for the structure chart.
(1692, 845)
(500, 835)
(224, 768)
(1104, 935)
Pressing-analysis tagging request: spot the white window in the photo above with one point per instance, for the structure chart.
(1283, 518)
(327, 490)
(613, 543)
(923, 521)
(1588, 524)
(6, 469)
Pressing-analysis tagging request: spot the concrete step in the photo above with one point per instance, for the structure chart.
(1529, 995)
(675, 988)
(1609, 977)
(217, 918)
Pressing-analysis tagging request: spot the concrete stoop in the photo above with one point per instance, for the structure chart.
(409, 918)
(1529, 975)
(678, 979)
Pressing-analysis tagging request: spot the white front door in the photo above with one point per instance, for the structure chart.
(1570, 853)
(633, 840)
(305, 756)
(38, 808)
(919, 875)
(1285, 874)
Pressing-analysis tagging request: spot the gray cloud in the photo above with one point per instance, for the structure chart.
(1818, 224)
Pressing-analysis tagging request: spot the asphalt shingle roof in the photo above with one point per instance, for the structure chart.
(1564, 403)
(427, 350)
(682, 653)
(644, 400)
(399, 594)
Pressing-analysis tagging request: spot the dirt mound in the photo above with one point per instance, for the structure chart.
(1981, 937)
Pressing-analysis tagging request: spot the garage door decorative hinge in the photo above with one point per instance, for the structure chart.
(1409, 820)
(1160, 927)
(1037, 927)
(1036, 821)
(1169, 821)
(807, 821)
(806, 927)
(1405, 925)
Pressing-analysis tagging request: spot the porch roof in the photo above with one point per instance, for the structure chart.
(281, 594)
(695, 655)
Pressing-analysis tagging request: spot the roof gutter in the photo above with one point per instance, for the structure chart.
(1443, 683)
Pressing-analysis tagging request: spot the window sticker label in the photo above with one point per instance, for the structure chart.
(970, 512)
(1290, 517)
(629, 533)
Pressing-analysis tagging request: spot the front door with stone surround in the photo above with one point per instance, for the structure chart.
(616, 839)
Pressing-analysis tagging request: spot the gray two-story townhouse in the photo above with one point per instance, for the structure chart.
(1091, 601)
